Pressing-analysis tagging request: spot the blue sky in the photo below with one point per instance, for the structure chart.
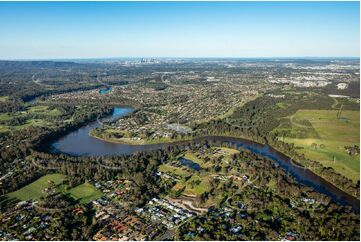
(43, 30)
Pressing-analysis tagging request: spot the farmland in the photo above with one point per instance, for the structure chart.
(325, 137)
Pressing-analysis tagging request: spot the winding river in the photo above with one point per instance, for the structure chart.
(80, 143)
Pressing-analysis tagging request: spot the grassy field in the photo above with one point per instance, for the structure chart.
(32, 122)
(196, 185)
(44, 110)
(200, 182)
(34, 190)
(228, 151)
(191, 156)
(3, 98)
(334, 134)
(8, 116)
(43, 113)
(221, 151)
(175, 170)
(85, 193)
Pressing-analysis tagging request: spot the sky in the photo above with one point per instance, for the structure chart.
(56, 30)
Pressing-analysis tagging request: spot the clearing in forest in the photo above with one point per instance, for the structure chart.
(335, 131)
(36, 189)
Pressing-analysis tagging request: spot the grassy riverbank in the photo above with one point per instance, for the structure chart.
(322, 136)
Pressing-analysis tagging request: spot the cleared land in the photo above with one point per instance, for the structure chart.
(199, 182)
(179, 171)
(333, 135)
(4, 98)
(35, 190)
(85, 193)
(44, 110)
(40, 115)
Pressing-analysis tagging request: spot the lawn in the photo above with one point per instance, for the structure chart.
(200, 188)
(228, 151)
(8, 116)
(191, 156)
(223, 151)
(334, 134)
(29, 121)
(44, 110)
(34, 190)
(180, 171)
(282, 105)
(4, 129)
(4, 98)
(32, 122)
(85, 193)
(195, 186)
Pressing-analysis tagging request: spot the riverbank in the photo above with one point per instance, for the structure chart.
(164, 142)
(118, 137)
(82, 143)
(131, 141)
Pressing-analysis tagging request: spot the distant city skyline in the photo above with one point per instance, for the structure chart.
(82, 30)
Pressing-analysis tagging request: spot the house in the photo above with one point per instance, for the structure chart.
(342, 86)
(235, 229)
(78, 211)
(289, 236)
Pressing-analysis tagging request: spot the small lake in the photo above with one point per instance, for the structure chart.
(190, 164)
(79, 143)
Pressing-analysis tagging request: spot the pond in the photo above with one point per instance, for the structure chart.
(190, 164)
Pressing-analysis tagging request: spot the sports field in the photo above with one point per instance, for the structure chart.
(333, 134)
(85, 193)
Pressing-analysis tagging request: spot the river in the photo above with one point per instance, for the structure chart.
(80, 143)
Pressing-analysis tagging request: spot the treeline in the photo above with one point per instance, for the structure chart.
(139, 168)
(273, 205)
(258, 118)
(28, 95)
(18, 144)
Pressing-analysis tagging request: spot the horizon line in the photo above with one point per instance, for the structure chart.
(177, 57)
